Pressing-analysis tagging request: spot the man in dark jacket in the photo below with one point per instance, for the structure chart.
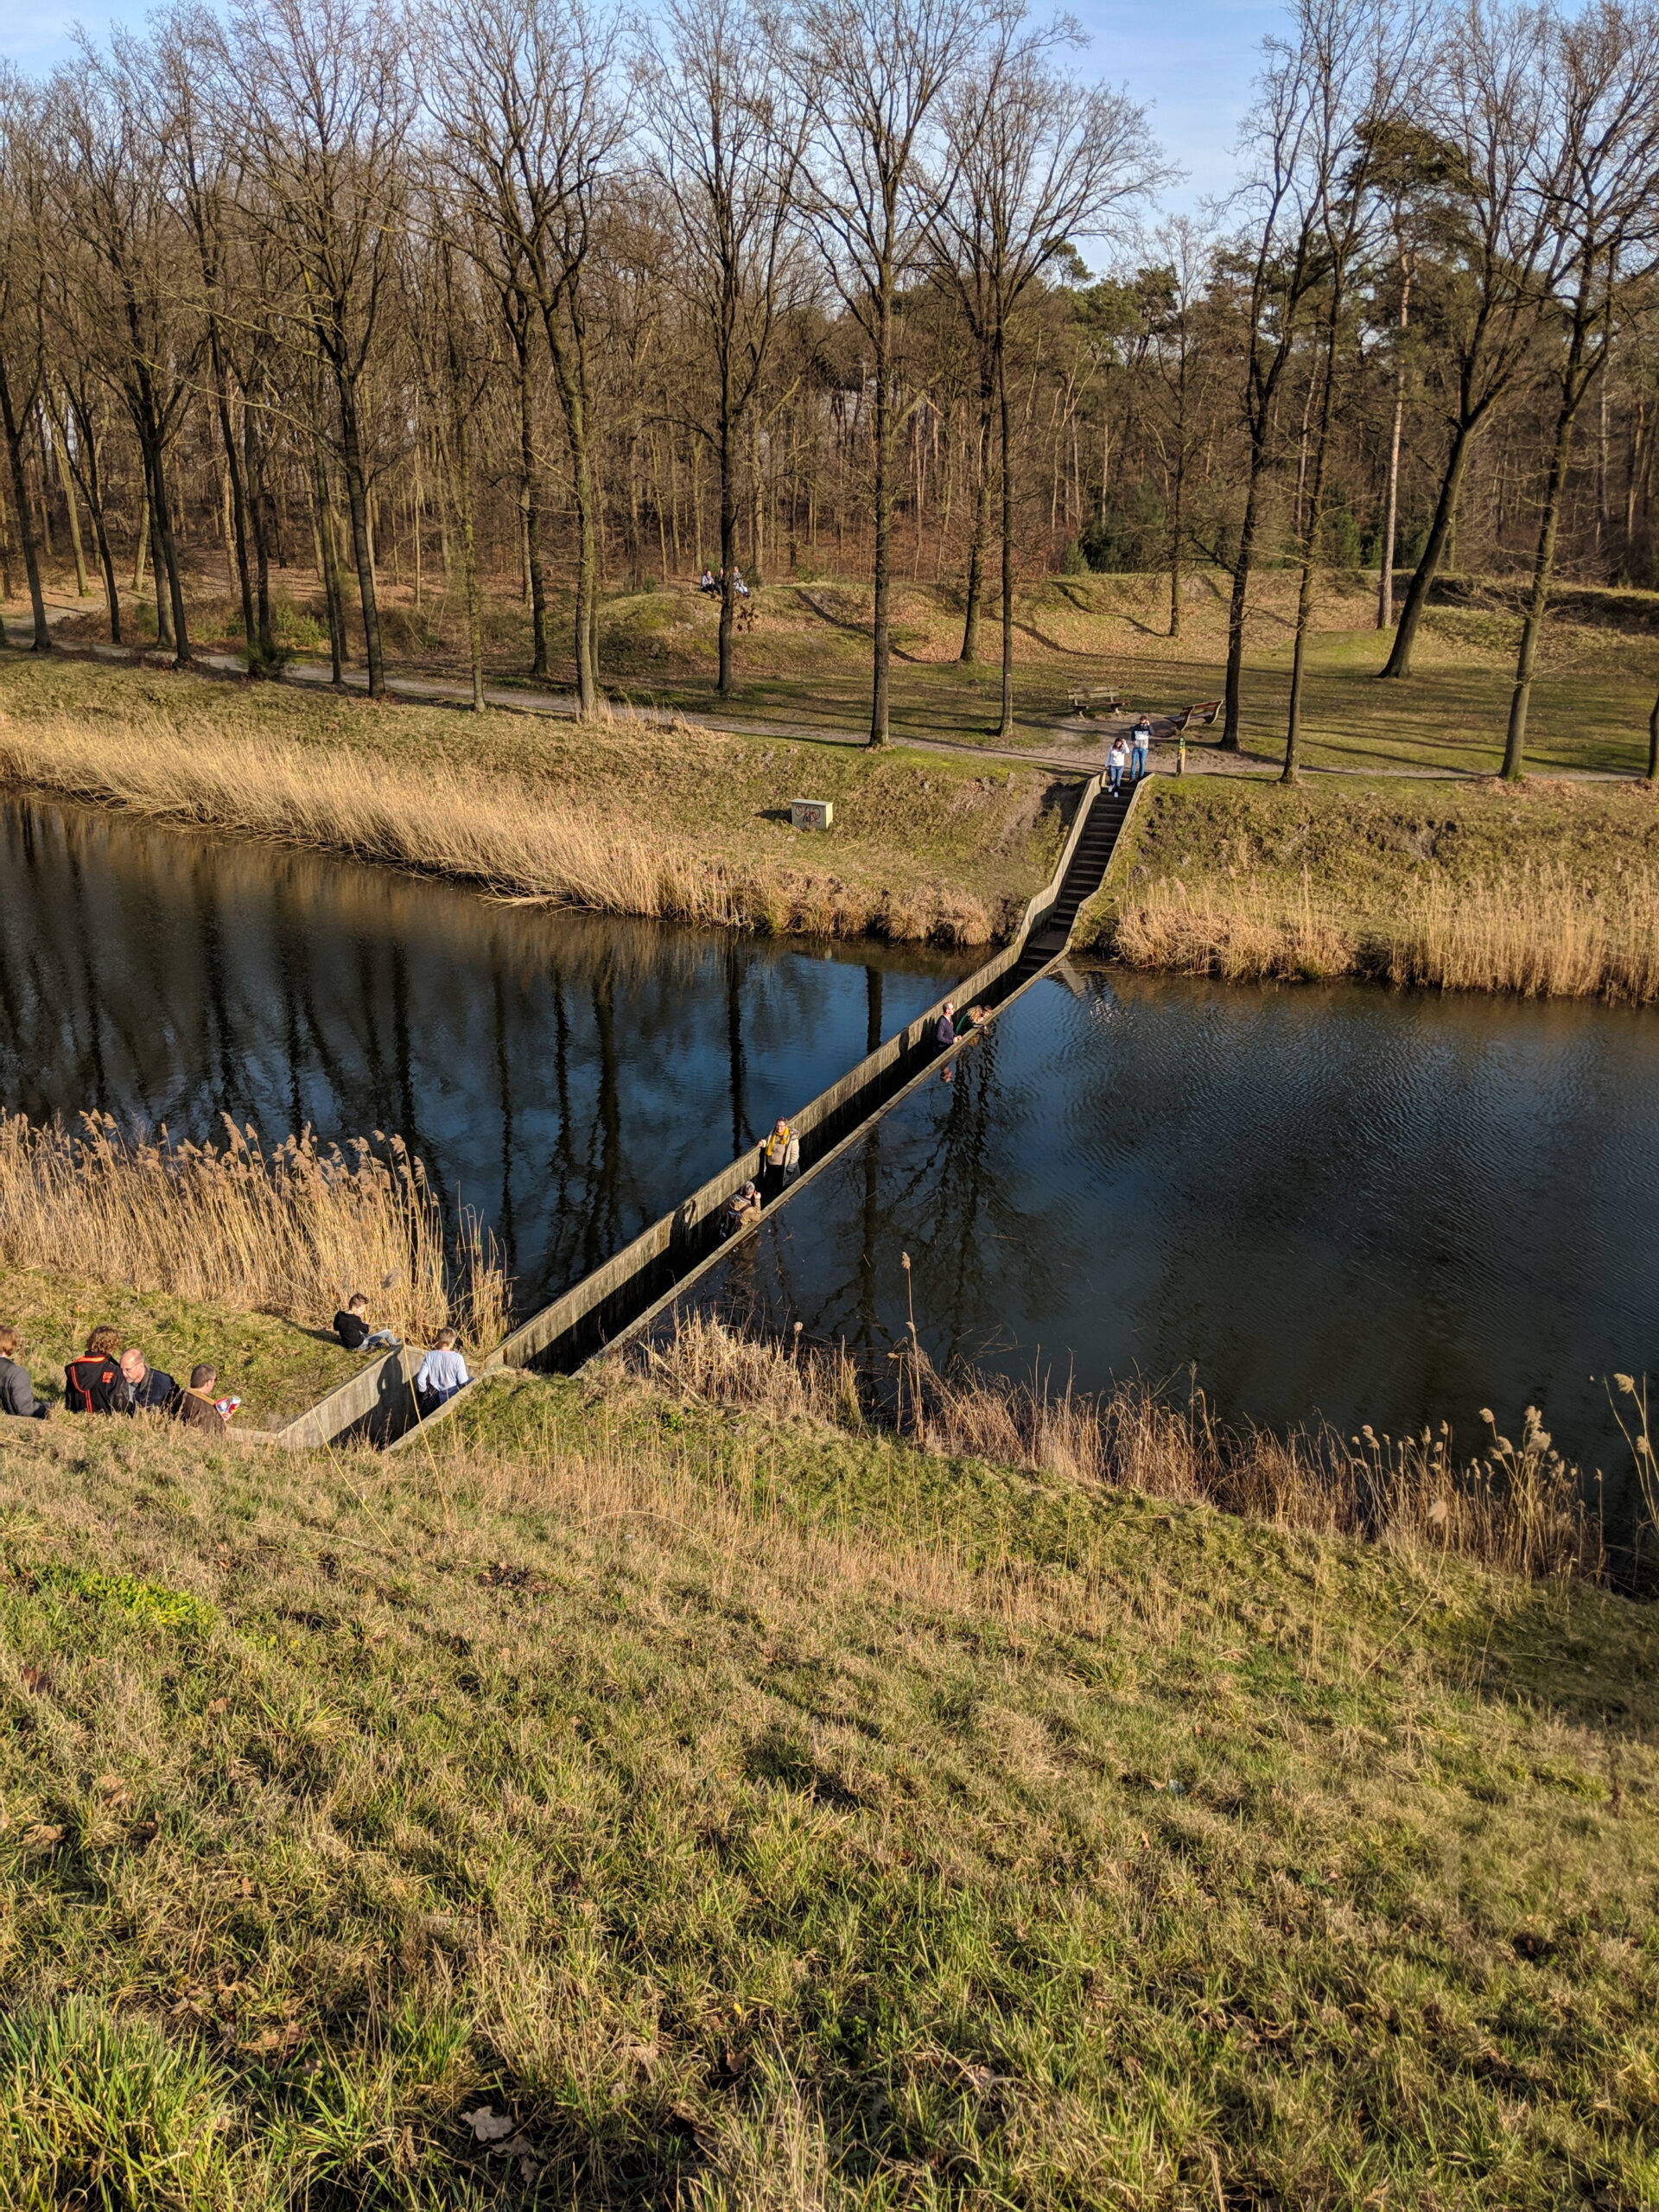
(16, 1390)
(195, 1407)
(92, 1383)
(149, 1389)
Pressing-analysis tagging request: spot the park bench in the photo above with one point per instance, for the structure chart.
(1105, 699)
(1202, 715)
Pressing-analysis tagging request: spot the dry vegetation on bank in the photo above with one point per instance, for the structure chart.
(291, 1232)
(1552, 889)
(1518, 1509)
(616, 815)
(741, 1812)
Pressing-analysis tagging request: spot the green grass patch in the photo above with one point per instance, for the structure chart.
(275, 1367)
(621, 1801)
(149, 1603)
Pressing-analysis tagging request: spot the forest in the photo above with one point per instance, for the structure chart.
(518, 302)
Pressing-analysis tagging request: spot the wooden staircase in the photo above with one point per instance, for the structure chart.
(1082, 879)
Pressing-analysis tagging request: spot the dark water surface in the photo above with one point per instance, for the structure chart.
(1359, 1204)
(1366, 1204)
(570, 1076)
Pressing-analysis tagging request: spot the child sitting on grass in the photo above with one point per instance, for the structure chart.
(351, 1328)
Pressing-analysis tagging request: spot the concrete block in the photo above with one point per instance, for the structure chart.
(811, 813)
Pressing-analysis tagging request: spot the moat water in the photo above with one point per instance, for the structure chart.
(1335, 1203)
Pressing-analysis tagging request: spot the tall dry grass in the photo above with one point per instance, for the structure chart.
(508, 835)
(1519, 1508)
(1537, 929)
(290, 1231)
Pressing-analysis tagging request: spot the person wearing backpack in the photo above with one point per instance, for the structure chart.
(95, 1383)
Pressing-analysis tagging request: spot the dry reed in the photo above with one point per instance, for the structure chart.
(1516, 1507)
(509, 834)
(1539, 931)
(292, 1231)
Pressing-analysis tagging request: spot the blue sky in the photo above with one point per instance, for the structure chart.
(1190, 60)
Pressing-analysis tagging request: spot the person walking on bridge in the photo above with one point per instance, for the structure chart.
(780, 1161)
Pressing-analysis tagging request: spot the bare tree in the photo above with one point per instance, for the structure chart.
(329, 106)
(534, 124)
(111, 175)
(22, 352)
(1032, 158)
(1596, 172)
(1363, 53)
(1280, 260)
(1483, 106)
(726, 148)
(872, 73)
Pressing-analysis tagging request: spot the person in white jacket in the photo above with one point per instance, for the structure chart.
(443, 1371)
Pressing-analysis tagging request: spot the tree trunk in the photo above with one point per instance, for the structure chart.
(970, 652)
(728, 530)
(1005, 730)
(1572, 385)
(20, 502)
(166, 552)
(570, 375)
(882, 656)
(238, 511)
(83, 589)
(322, 524)
(1434, 552)
(1311, 552)
(532, 494)
(357, 495)
(469, 552)
(1234, 683)
(1391, 493)
(1652, 743)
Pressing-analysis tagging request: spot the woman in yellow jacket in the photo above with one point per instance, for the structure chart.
(780, 1161)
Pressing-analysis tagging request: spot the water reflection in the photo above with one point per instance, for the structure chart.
(569, 1075)
(1370, 1205)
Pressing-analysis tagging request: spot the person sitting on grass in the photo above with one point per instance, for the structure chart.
(741, 1208)
(16, 1390)
(443, 1371)
(351, 1328)
(149, 1389)
(196, 1406)
(92, 1383)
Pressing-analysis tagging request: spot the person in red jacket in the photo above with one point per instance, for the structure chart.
(93, 1383)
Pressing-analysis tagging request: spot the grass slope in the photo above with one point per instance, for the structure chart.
(275, 1367)
(921, 839)
(745, 1814)
(807, 658)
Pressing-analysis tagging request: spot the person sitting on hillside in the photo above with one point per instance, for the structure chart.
(780, 1161)
(92, 1383)
(741, 1208)
(737, 584)
(196, 1406)
(16, 1390)
(443, 1371)
(149, 1390)
(351, 1328)
(706, 581)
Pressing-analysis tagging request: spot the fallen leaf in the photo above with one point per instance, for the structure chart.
(488, 2126)
(109, 1785)
(41, 1837)
(145, 1830)
(219, 1705)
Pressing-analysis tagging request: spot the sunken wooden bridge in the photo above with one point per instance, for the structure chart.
(625, 1295)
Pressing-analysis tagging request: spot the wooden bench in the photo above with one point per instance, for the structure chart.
(1203, 715)
(1106, 699)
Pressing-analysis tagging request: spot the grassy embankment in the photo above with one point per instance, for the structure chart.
(1550, 888)
(620, 816)
(806, 661)
(228, 1254)
(728, 1811)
